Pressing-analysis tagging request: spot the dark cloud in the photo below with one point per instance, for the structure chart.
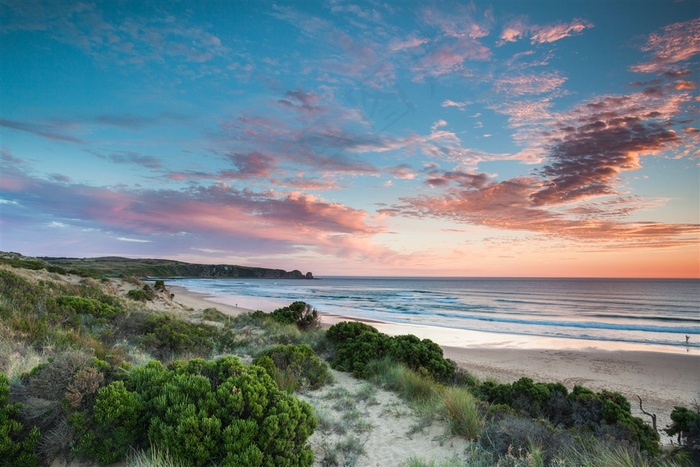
(250, 165)
(150, 162)
(43, 130)
(587, 161)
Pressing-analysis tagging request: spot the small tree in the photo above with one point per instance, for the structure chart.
(686, 425)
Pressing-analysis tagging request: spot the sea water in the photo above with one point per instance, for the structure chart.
(633, 313)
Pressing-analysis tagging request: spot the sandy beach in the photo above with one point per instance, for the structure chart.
(662, 379)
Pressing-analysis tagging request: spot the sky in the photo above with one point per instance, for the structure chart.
(504, 138)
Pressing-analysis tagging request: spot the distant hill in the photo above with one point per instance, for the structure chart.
(161, 268)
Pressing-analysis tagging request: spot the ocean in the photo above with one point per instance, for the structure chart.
(654, 314)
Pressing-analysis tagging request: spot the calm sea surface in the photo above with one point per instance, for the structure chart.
(647, 312)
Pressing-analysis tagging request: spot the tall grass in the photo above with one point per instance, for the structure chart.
(456, 404)
(601, 453)
(401, 379)
(462, 412)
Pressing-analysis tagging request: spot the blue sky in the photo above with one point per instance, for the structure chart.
(382, 138)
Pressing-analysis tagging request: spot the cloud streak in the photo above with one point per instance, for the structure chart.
(293, 221)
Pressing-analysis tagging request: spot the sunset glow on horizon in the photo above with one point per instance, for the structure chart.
(474, 139)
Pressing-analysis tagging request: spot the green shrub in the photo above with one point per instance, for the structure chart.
(605, 412)
(166, 336)
(296, 365)
(356, 344)
(347, 331)
(18, 443)
(202, 412)
(299, 313)
(114, 426)
(423, 356)
(212, 314)
(140, 295)
(354, 354)
(88, 306)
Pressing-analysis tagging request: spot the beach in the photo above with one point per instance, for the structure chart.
(662, 379)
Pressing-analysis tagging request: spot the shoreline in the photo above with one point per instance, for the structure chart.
(663, 379)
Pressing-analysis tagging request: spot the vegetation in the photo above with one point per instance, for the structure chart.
(16, 442)
(357, 344)
(113, 266)
(604, 412)
(294, 367)
(201, 411)
(98, 393)
(299, 313)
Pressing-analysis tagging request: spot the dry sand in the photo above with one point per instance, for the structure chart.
(662, 379)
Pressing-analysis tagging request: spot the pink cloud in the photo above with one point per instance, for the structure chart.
(459, 105)
(677, 43)
(514, 31)
(450, 56)
(555, 32)
(529, 84)
(220, 213)
(410, 42)
(459, 20)
(506, 206)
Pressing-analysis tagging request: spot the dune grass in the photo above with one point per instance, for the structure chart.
(456, 405)
(462, 412)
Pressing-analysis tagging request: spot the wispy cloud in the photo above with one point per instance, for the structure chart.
(519, 28)
(555, 32)
(222, 213)
(677, 43)
(130, 157)
(520, 85)
(48, 131)
(134, 40)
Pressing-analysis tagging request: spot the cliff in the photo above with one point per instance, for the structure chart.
(116, 266)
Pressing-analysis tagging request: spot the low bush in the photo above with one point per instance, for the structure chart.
(140, 295)
(356, 344)
(212, 314)
(294, 367)
(88, 306)
(200, 412)
(167, 336)
(604, 412)
(520, 434)
(50, 393)
(18, 443)
(303, 315)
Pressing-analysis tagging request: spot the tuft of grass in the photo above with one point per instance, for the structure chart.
(462, 412)
(416, 462)
(153, 457)
(345, 452)
(368, 394)
(601, 453)
(399, 378)
(212, 314)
